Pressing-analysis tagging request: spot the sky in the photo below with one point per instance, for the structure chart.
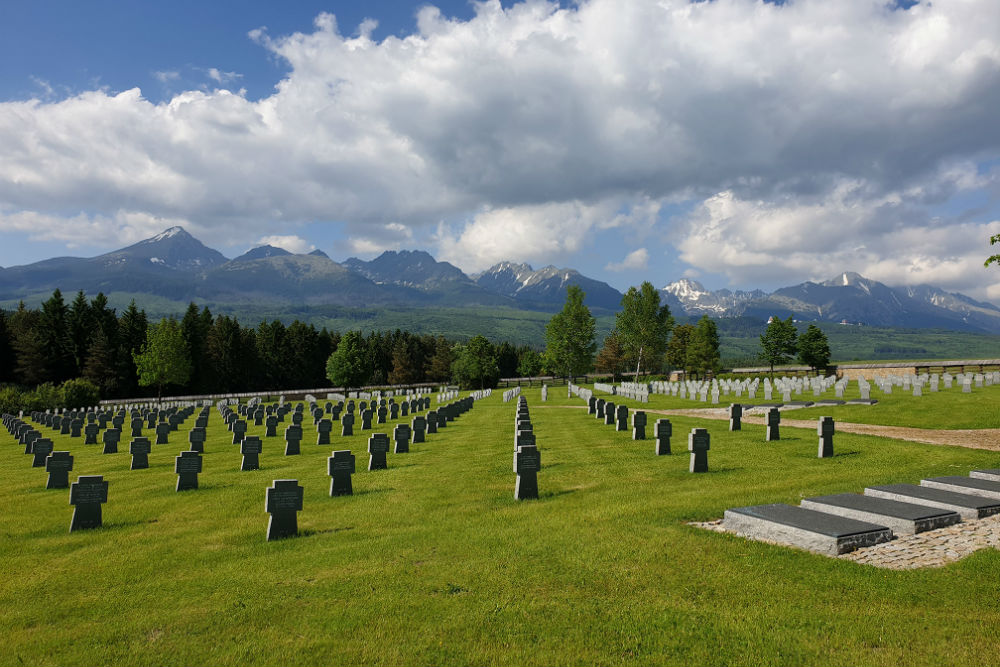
(741, 143)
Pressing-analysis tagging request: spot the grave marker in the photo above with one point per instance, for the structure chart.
(187, 466)
(664, 429)
(139, 449)
(340, 467)
(735, 417)
(293, 436)
(58, 465)
(825, 430)
(527, 463)
(251, 447)
(378, 445)
(698, 445)
(41, 448)
(638, 425)
(282, 501)
(401, 436)
(87, 494)
(773, 425)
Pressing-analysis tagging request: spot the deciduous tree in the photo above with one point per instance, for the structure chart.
(814, 348)
(778, 342)
(569, 337)
(164, 360)
(643, 326)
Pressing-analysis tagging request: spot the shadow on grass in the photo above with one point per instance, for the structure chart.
(553, 494)
(366, 492)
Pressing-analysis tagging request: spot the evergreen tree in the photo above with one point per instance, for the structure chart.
(104, 318)
(30, 366)
(814, 348)
(569, 337)
(164, 359)
(703, 348)
(101, 366)
(439, 367)
(195, 326)
(643, 327)
(132, 327)
(304, 356)
(611, 358)
(778, 342)
(81, 326)
(232, 355)
(348, 366)
(677, 348)
(404, 363)
(507, 360)
(271, 352)
(54, 336)
(7, 358)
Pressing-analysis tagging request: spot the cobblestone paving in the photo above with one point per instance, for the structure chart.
(933, 548)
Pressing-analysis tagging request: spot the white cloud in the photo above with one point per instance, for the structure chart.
(375, 239)
(222, 77)
(167, 76)
(525, 129)
(637, 260)
(291, 243)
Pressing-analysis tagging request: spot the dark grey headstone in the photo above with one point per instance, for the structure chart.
(418, 425)
(698, 444)
(40, 450)
(271, 424)
(162, 433)
(251, 448)
(196, 439)
(323, 428)
(773, 425)
(187, 466)
(735, 417)
(825, 429)
(239, 431)
(902, 518)
(283, 501)
(293, 438)
(808, 529)
(90, 432)
(378, 446)
(347, 424)
(401, 437)
(58, 465)
(527, 463)
(970, 485)
(112, 437)
(139, 449)
(968, 506)
(87, 494)
(638, 425)
(340, 467)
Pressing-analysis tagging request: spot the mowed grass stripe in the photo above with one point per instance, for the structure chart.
(433, 561)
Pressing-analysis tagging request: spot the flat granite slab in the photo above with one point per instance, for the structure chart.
(862, 401)
(902, 518)
(804, 528)
(799, 404)
(971, 485)
(992, 475)
(829, 402)
(967, 506)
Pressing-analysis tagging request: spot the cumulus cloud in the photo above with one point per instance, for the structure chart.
(222, 77)
(517, 133)
(166, 76)
(637, 260)
(291, 243)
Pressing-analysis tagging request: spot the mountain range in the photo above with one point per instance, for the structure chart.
(175, 265)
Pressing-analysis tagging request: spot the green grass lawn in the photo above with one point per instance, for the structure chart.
(945, 409)
(433, 561)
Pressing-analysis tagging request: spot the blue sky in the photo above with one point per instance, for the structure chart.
(741, 143)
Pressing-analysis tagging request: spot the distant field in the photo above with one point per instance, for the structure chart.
(434, 562)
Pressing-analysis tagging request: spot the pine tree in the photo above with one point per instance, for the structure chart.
(703, 348)
(7, 358)
(101, 366)
(814, 348)
(54, 336)
(611, 358)
(132, 328)
(439, 367)
(194, 327)
(30, 364)
(80, 322)
(677, 348)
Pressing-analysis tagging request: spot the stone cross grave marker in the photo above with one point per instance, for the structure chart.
(773, 425)
(187, 466)
(401, 436)
(621, 418)
(663, 430)
(90, 432)
(609, 413)
(825, 430)
(196, 439)
(393, 411)
(41, 448)
(418, 425)
(591, 406)
(698, 445)
(137, 425)
(87, 494)
(58, 465)
(293, 438)
(735, 417)
(599, 409)
(323, 428)
(340, 467)
(638, 425)
(111, 438)
(527, 463)
(378, 446)
(74, 427)
(283, 501)
(271, 426)
(347, 424)
(251, 448)
(432, 422)
(366, 420)
(239, 431)
(139, 449)
(162, 432)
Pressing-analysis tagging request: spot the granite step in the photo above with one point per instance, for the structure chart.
(902, 518)
(804, 528)
(967, 506)
(970, 485)
(992, 475)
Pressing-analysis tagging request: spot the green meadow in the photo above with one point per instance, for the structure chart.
(433, 561)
